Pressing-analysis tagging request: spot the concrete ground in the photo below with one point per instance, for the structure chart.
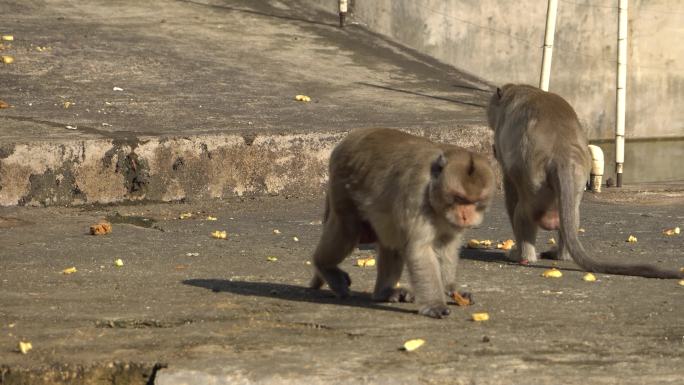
(186, 308)
(206, 110)
(170, 100)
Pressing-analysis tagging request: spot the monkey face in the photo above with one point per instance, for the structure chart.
(463, 214)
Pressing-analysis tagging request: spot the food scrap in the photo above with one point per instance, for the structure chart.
(69, 270)
(552, 273)
(505, 245)
(271, 258)
(68, 104)
(412, 345)
(118, 263)
(185, 215)
(7, 37)
(670, 232)
(462, 299)
(681, 283)
(219, 234)
(477, 244)
(302, 98)
(589, 277)
(210, 218)
(365, 262)
(581, 230)
(7, 59)
(100, 228)
(24, 347)
(552, 241)
(276, 231)
(478, 317)
(4, 104)
(631, 239)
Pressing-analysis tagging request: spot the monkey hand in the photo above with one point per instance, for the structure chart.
(435, 310)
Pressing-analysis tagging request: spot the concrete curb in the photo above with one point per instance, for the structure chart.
(88, 171)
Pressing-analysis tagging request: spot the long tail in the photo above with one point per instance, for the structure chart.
(569, 219)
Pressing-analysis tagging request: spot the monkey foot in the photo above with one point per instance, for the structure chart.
(516, 256)
(435, 311)
(338, 280)
(398, 294)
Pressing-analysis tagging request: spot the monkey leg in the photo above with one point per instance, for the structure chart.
(390, 267)
(525, 230)
(511, 197)
(340, 236)
(560, 252)
(426, 280)
(448, 255)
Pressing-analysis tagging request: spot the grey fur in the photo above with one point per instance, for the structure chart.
(543, 153)
(408, 189)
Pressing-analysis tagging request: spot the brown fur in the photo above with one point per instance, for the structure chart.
(543, 153)
(414, 197)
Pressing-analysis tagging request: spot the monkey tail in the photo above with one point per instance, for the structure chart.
(569, 218)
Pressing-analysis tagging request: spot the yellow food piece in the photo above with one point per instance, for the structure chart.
(552, 241)
(295, 239)
(681, 283)
(674, 231)
(631, 239)
(118, 263)
(589, 277)
(210, 218)
(219, 234)
(7, 59)
(414, 344)
(552, 273)
(276, 231)
(302, 98)
(271, 258)
(365, 262)
(68, 104)
(24, 347)
(506, 245)
(69, 270)
(478, 317)
(581, 230)
(185, 215)
(4, 104)
(101, 228)
(7, 37)
(473, 244)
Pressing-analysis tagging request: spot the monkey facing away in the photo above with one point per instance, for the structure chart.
(414, 198)
(542, 150)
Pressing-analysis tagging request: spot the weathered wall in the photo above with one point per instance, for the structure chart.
(500, 41)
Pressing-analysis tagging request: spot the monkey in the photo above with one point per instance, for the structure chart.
(412, 197)
(542, 150)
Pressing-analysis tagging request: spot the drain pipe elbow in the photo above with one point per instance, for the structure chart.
(596, 168)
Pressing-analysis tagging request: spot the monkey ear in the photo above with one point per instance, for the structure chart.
(437, 166)
(499, 92)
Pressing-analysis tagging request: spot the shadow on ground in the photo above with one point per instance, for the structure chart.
(291, 293)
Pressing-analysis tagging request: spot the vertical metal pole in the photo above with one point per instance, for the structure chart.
(621, 91)
(551, 12)
(343, 12)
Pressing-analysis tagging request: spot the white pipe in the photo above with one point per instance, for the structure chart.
(621, 91)
(551, 12)
(597, 164)
(343, 11)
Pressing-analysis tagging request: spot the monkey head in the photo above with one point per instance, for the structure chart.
(461, 187)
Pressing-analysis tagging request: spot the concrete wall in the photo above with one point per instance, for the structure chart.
(500, 41)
